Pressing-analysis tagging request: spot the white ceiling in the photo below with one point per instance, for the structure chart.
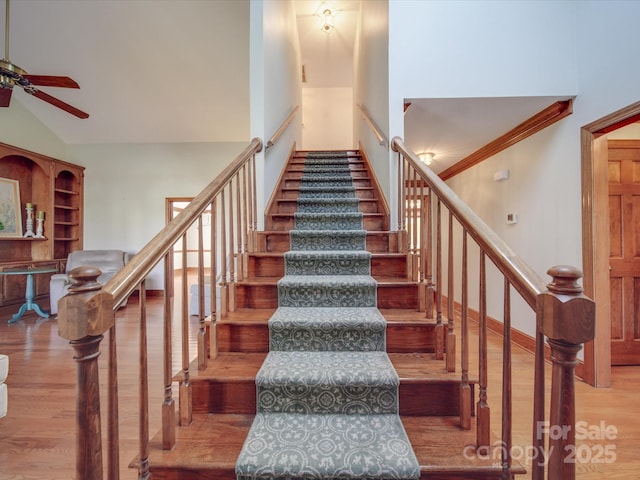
(153, 71)
(327, 58)
(149, 71)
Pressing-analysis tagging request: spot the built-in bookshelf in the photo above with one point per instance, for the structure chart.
(55, 188)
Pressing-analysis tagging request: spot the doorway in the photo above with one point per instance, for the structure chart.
(624, 246)
(184, 260)
(596, 237)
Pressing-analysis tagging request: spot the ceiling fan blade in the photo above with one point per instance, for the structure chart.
(5, 96)
(58, 103)
(51, 81)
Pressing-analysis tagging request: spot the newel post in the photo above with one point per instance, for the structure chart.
(567, 318)
(83, 316)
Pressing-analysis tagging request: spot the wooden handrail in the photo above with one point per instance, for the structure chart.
(563, 315)
(374, 128)
(525, 280)
(88, 312)
(274, 138)
(123, 283)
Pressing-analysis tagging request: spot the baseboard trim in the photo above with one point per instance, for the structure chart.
(518, 337)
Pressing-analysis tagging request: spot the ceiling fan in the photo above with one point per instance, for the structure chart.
(12, 75)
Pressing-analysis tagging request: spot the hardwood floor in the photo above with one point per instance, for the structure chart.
(37, 436)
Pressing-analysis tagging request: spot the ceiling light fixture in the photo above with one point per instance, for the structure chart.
(426, 157)
(328, 15)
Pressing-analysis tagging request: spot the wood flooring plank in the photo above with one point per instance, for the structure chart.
(36, 436)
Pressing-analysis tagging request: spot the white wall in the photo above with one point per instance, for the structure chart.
(371, 86)
(18, 127)
(277, 53)
(327, 117)
(585, 51)
(126, 186)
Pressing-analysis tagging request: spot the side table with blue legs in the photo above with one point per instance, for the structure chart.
(29, 294)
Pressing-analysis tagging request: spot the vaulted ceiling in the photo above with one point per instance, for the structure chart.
(157, 71)
(149, 71)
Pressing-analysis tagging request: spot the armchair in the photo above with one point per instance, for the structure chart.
(108, 261)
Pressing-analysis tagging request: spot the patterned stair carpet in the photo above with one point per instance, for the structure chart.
(327, 393)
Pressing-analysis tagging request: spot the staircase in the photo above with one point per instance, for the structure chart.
(326, 345)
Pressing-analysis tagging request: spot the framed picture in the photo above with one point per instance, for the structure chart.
(10, 212)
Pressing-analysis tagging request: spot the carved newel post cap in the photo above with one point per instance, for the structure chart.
(565, 279)
(84, 279)
(87, 310)
(564, 313)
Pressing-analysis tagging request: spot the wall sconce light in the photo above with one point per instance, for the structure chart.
(426, 157)
(327, 18)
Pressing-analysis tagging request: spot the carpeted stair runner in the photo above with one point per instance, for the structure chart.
(327, 393)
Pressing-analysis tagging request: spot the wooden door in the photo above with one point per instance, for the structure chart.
(624, 257)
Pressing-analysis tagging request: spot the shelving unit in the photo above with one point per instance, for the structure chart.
(54, 187)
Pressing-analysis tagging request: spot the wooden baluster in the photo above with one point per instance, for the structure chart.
(465, 387)
(414, 226)
(451, 335)
(408, 200)
(143, 467)
(422, 247)
(484, 412)
(254, 196)
(73, 325)
(439, 326)
(185, 384)
(251, 244)
(407, 217)
(168, 404)
(567, 318)
(245, 222)
(224, 286)
(213, 283)
(400, 197)
(506, 384)
(232, 256)
(539, 444)
(405, 207)
(203, 354)
(239, 236)
(113, 428)
(428, 255)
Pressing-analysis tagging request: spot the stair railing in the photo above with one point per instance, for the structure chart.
(89, 311)
(281, 129)
(380, 137)
(563, 315)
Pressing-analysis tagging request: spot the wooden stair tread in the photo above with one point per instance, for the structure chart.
(248, 315)
(382, 281)
(259, 315)
(230, 367)
(373, 254)
(422, 367)
(233, 367)
(211, 442)
(209, 448)
(442, 447)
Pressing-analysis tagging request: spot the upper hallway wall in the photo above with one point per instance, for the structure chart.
(276, 87)
(371, 85)
(608, 68)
